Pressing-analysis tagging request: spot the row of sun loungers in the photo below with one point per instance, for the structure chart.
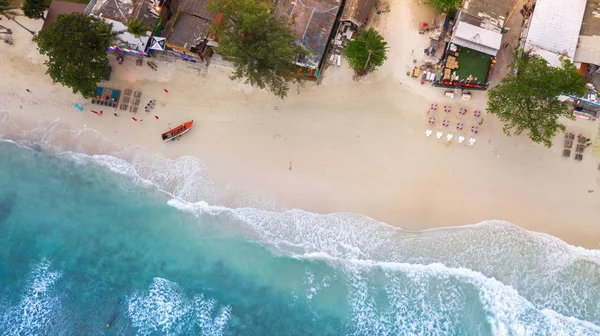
(449, 137)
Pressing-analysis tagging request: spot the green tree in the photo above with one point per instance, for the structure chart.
(446, 6)
(7, 9)
(76, 48)
(366, 52)
(137, 27)
(527, 99)
(34, 9)
(260, 44)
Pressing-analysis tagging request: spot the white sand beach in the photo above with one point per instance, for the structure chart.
(354, 146)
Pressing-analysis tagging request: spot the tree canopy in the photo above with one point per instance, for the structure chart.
(366, 52)
(76, 48)
(446, 6)
(34, 9)
(527, 99)
(137, 27)
(260, 43)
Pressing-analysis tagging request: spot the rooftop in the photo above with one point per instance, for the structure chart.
(118, 10)
(190, 23)
(487, 14)
(591, 19)
(62, 7)
(312, 23)
(588, 48)
(554, 29)
(188, 31)
(357, 11)
(197, 8)
(477, 38)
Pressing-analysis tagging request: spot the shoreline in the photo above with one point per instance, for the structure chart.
(355, 147)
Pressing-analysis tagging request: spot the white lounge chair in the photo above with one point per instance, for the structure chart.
(461, 139)
(471, 141)
(439, 135)
(449, 137)
(428, 133)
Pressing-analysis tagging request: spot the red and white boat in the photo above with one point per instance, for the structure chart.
(177, 131)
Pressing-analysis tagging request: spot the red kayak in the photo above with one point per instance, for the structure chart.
(177, 131)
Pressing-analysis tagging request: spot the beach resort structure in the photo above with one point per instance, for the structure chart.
(476, 40)
(312, 23)
(568, 29)
(119, 12)
(587, 54)
(187, 29)
(61, 7)
(587, 58)
(553, 30)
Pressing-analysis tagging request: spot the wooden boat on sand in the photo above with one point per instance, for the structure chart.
(177, 131)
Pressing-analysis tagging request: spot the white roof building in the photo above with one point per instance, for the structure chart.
(554, 29)
(477, 38)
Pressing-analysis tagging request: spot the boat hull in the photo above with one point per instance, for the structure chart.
(178, 131)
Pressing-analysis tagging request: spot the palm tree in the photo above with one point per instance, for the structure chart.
(366, 52)
(137, 27)
(7, 9)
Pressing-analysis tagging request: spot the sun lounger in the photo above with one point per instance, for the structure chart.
(567, 153)
(428, 133)
(578, 157)
(568, 143)
(580, 148)
(439, 135)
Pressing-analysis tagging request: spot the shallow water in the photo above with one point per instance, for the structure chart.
(87, 251)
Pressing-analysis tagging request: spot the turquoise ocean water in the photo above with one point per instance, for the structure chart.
(85, 250)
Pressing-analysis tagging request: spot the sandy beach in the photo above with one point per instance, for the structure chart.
(352, 146)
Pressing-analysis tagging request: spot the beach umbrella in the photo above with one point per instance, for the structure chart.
(433, 107)
(459, 126)
(445, 123)
(462, 110)
(477, 114)
(447, 108)
(432, 120)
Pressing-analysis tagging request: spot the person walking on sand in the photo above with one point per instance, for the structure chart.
(28, 90)
(115, 114)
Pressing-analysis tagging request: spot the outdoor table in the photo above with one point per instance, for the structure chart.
(459, 126)
(447, 108)
(446, 123)
(462, 111)
(432, 120)
(434, 106)
(477, 114)
(474, 129)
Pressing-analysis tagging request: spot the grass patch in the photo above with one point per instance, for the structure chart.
(473, 63)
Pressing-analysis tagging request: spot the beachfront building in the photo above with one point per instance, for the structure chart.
(61, 7)
(587, 58)
(357, 12)
(118, 12)
(187, 30)
(313, 23)
(552, 31)
(475, 42)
